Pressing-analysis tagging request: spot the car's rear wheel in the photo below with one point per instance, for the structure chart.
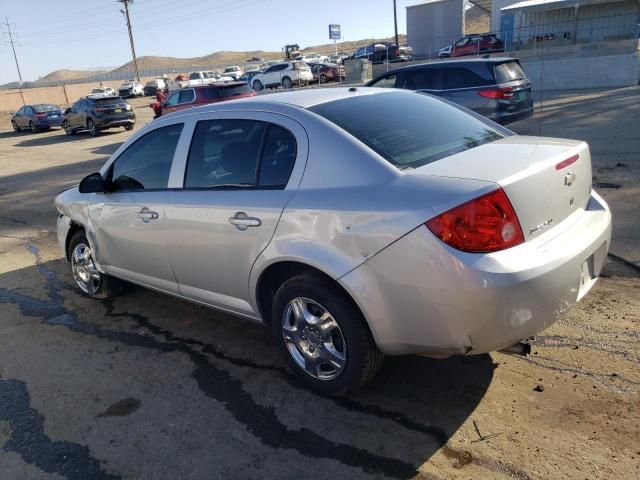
(33, 127)
(128, 127)
(257, 85)
(67, 128)
(323, 336)
(93, 129)
(323, 78)
(90, 281)
(15, 126)
(286, 83)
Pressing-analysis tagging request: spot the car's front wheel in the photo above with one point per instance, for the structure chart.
(15, 126)
(286, 83)
(90, 281)
(66, 126)
(323, 335)
(128, 127)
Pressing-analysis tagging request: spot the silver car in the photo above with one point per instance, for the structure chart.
(356, 222)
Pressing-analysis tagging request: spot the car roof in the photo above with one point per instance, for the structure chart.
(418, 66)
(299, 98)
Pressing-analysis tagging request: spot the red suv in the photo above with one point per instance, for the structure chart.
(203, 94)
(477, 45)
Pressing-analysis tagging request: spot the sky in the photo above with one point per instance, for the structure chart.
(84, 34)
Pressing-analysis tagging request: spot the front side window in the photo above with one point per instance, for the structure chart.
(172, 99)
(186, 96)
(147, 162)
(408, 129)
(386, 82)
(239, 154)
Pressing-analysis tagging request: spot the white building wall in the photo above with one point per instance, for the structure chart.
(433, 25)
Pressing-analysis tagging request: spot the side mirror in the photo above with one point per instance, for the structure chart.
(93, 183)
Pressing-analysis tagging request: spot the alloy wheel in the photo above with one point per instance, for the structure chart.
(84, 269)
(314, 339)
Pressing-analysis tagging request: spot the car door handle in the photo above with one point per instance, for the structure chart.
(242, 221)
(145, 214)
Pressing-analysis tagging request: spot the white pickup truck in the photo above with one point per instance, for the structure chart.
(205, 78)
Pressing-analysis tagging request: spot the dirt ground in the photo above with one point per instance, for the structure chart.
(150, 387)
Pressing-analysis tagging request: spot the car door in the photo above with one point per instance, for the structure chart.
(240, 171)
(129, 220)
(21, 117)
(426, 80)
(79, 113)
(186, 99)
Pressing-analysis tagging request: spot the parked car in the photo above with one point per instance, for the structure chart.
(312, 57)
(384, 52)
(41, 116)
(234, 72)
(445, 52)
(153, 86)
(248, 75)
(131, 89)
(103, 91)
(496, 88)
(337, 59)
(327, 72)
(476, 45)
(285, 75)
(419, 237)
(203, 94)
(98, 113)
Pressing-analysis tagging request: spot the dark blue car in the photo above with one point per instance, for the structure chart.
(38, 117)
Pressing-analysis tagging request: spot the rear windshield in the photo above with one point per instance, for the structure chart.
(300, 66)
(235, 90)
(509, 71)
(44, 108)
(110, 101)
(408, 129)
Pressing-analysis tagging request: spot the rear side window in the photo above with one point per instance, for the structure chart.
(234, 90)
(209, 93)
(147, 162)
(424, 79)
(509, 71)
(278, 157)
(408, 129)
(463, 77)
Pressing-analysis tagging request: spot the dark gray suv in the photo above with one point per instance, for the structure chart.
(496, 88)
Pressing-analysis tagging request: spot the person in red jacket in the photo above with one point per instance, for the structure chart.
(161, 95)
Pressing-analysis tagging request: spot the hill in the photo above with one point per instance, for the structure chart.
(64, 75)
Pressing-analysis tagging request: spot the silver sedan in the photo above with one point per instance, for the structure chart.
(354, 222)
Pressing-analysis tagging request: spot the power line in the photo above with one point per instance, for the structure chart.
(13, 47)
(133, 48)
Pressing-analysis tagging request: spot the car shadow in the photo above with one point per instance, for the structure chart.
(387, 429)
(43, 141)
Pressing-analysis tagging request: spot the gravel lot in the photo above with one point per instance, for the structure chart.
(146, 386)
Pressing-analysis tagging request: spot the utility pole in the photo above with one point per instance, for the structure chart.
(125, 12)
(13, 47)
(395, 21)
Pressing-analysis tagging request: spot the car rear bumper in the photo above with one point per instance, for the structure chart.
(116, 122)
(504, 118)
(49, 122)
(421, 296)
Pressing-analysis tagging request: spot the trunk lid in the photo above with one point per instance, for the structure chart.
(542, 190)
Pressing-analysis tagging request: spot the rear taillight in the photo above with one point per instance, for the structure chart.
(497, 93)
(567, 162)
(485, 224)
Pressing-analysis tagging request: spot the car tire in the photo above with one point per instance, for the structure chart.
(336, 359)
(93, 129)
(323, 78)
(33, 127)
(286, 83)
(128, 127)
(84, 272)
(67, 128)
(15, 126)
(257, 85)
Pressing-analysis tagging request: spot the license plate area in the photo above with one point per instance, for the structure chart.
(587, 277)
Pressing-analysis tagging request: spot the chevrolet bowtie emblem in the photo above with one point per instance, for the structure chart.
(569, 178)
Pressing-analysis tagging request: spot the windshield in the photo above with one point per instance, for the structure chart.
(44, 107)
(300, 66)
(126, 85)
(97, 90)
(408, 129)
